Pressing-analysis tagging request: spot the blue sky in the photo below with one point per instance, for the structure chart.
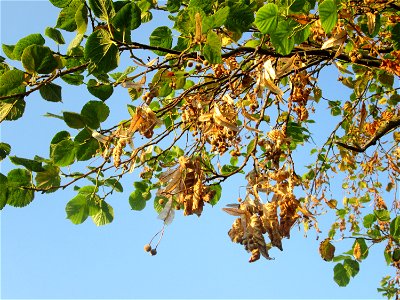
(43, 255)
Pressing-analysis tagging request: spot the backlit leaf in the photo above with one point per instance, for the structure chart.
(77, 209)
(102, 51)
(212, 48)
(328, 15)
(55, 35)
(161, 37)
(136, 200)
(267, 18)
(48, 178)
(18, 180)
(102, 9)
(105, 214)
(3, 191)
(22, 44)
(38, 59)
(64, 153)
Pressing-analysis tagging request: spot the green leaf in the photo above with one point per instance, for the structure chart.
(212, 48)
(102, 51)
(102, 9)
(38, 59)
(395, 36)
(352, 267)
(267, 18)
(382, 215)
(115, 184)
(17, 181)
(85, 145)
(173, 5)
(328, 15)
(77, 209)
(5, 150)
(95, 112)
(8, 50)
(73, 120)
(22, 44)
(60, 3)
(240, 18)
(101, 91)
(282, 39)
(73, 79)
(55, 35)
(51, 92)
(63, 153)
(66, 17)
(395, 227)
(89, 191)
(128, 17)
(13, 110)
(250, 146)
(216, 20)
(369, 220)
(340, 276)
(30, 164)
(205, 5)
(105, 214)
(137, 201)
(297, 5)
(161, 37)
(141, 186)
(218, 191)
(11, 81)
(81, 19)
(48, 178)
(3, 191)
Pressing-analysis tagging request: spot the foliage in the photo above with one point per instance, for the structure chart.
(232, 89)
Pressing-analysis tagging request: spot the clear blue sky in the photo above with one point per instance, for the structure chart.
(43, 255)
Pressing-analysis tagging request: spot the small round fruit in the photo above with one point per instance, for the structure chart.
(153, 252)
(206, 63)
(198, 67)
(161, 201)
(190, 64)
(147, 248)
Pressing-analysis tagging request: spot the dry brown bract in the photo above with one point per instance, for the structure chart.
(185, 185)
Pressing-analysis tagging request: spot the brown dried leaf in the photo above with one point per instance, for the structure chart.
(357, 251)
(270, 223)
(326, 250)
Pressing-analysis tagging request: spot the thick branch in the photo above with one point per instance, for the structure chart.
(384, 129)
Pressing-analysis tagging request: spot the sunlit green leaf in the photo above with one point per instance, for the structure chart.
(66, 17)
(3, 191)
(102, 51)
(18, 192)
(137, 201)
(105, 214)
(48, 178)
(55, 35)
(22, 44)
(128, 17)
(161, 37)
(38, 59)
(382, 215)
(103, 9)
(212, 48)
(267, 18)
(328, 15)
(352, 267)
(64, 153)
(77, 209)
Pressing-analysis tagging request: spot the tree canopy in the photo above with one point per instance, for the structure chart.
(229, 89)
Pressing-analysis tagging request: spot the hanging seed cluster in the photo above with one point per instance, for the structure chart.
(185, 185)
